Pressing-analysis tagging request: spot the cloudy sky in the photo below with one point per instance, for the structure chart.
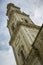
(31, 7)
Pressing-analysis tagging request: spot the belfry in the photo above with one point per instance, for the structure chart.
(26, 37)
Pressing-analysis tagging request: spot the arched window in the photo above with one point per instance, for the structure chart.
(22, 54)
(13, 27)
(26, 21)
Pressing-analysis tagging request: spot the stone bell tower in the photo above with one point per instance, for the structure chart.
(23, 34)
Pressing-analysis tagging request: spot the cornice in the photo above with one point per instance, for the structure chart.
(10, 4)
(30, 25)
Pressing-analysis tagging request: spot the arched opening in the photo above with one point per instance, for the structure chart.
(13, 27)
(23, 56)
(26, 21)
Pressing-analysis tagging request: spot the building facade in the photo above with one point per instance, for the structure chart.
(26, 37)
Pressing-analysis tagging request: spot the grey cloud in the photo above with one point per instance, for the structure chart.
(4, 46)
(7, 58)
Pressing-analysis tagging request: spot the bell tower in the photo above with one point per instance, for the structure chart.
(14, 16)
(23, 33)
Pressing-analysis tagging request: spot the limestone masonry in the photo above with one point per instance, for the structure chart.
(26, 37)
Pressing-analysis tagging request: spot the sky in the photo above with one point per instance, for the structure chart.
(31, 7)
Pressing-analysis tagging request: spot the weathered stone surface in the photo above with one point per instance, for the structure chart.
(26, 37)
(39, 43)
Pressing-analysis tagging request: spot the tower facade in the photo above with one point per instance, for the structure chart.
(23, 34)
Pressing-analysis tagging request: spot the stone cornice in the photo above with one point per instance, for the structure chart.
(30, 25)
(10, 4)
